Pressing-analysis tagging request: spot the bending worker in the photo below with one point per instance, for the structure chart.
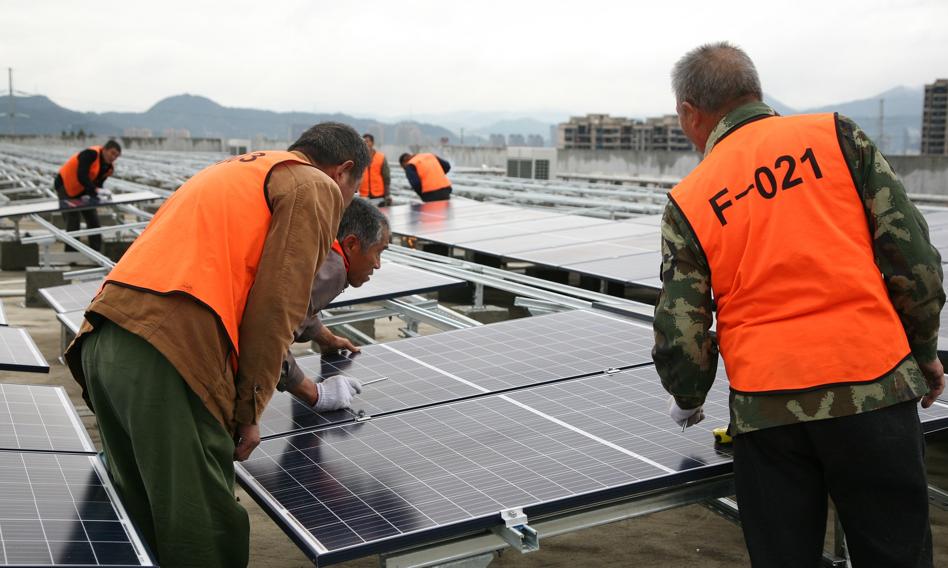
(427, 175)
(182, 347)
(377, 178)
(357, 251)
(828, 292)
(81, 177)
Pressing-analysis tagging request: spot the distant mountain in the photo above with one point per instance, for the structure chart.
(43, 116)
(902, 111)
(778, 106)
(205, 118)
(525, 126)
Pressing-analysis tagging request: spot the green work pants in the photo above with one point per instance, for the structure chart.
(170, 459)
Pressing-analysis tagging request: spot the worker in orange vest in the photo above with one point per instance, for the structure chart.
(427, 175)
(182, 347)
(828, 292)
(356, 253)
(81, 177)
(377, 178)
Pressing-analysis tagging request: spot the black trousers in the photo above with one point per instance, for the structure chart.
(92, 222)
(873, 466)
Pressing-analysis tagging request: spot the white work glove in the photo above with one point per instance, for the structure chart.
(336, 393)
(682, 417)
(103, 193)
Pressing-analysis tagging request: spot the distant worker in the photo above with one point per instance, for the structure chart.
(426, 174)
(377, 178)
(828, 292)
(182, 347)
(357, 251)
(81, 177)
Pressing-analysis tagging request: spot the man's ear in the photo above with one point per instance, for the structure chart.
(689, 116)
(339, 170)
(350, 244)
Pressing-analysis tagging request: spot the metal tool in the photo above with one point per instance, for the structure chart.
(380, 379)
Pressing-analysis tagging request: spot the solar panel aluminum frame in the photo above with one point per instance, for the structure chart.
(43, 367)
(146, 558)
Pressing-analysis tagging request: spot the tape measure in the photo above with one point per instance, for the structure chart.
(721, 436)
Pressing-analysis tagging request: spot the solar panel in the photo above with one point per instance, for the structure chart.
(58, 510)
(643, 267)
(571, 254)
(354, 489)
(457, 364)
(19, 353)
(54, 205)
(72, 320)
(70, 297)
(490, 231)
(40, 418)
(507, 246)
(395, 280)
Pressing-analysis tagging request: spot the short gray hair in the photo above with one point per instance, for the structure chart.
(713, 75)
(363, 220)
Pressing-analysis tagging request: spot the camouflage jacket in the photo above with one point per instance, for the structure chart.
(686, 353)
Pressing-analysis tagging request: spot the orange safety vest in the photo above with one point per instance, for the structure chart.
(801, 303)
(430, 172)
(372, 183)
(207, 238)
(69, 172)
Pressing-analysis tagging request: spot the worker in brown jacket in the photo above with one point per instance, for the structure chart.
(182, 348)
(357, 251)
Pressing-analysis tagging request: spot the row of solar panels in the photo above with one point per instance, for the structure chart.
(626, 251)
(621, 251)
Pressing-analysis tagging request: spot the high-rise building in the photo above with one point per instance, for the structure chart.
(935, 118)
(604, 132)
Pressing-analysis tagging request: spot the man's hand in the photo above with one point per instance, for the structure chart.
(335, 393)
(304, 390)
(338, 343)
(248, 438)
(935, 375)
(684, 417)
(330, 342)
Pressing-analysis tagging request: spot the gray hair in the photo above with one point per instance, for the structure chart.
(713, 75)
(332, 143)
(363, 220)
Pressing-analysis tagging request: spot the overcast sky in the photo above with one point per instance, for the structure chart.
(384, 58)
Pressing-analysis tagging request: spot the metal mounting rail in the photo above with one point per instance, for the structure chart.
(520, 284)
(85, 232)
(63, 236)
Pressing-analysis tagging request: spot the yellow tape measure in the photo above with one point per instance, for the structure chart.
(721, 436)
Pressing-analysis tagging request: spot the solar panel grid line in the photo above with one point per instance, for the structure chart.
(75, 420)
(551, 447)
(496, 358)
(71, 297)
(42, 522)
(41, 419)
(588, 435)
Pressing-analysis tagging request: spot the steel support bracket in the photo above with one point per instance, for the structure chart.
(516, 532)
